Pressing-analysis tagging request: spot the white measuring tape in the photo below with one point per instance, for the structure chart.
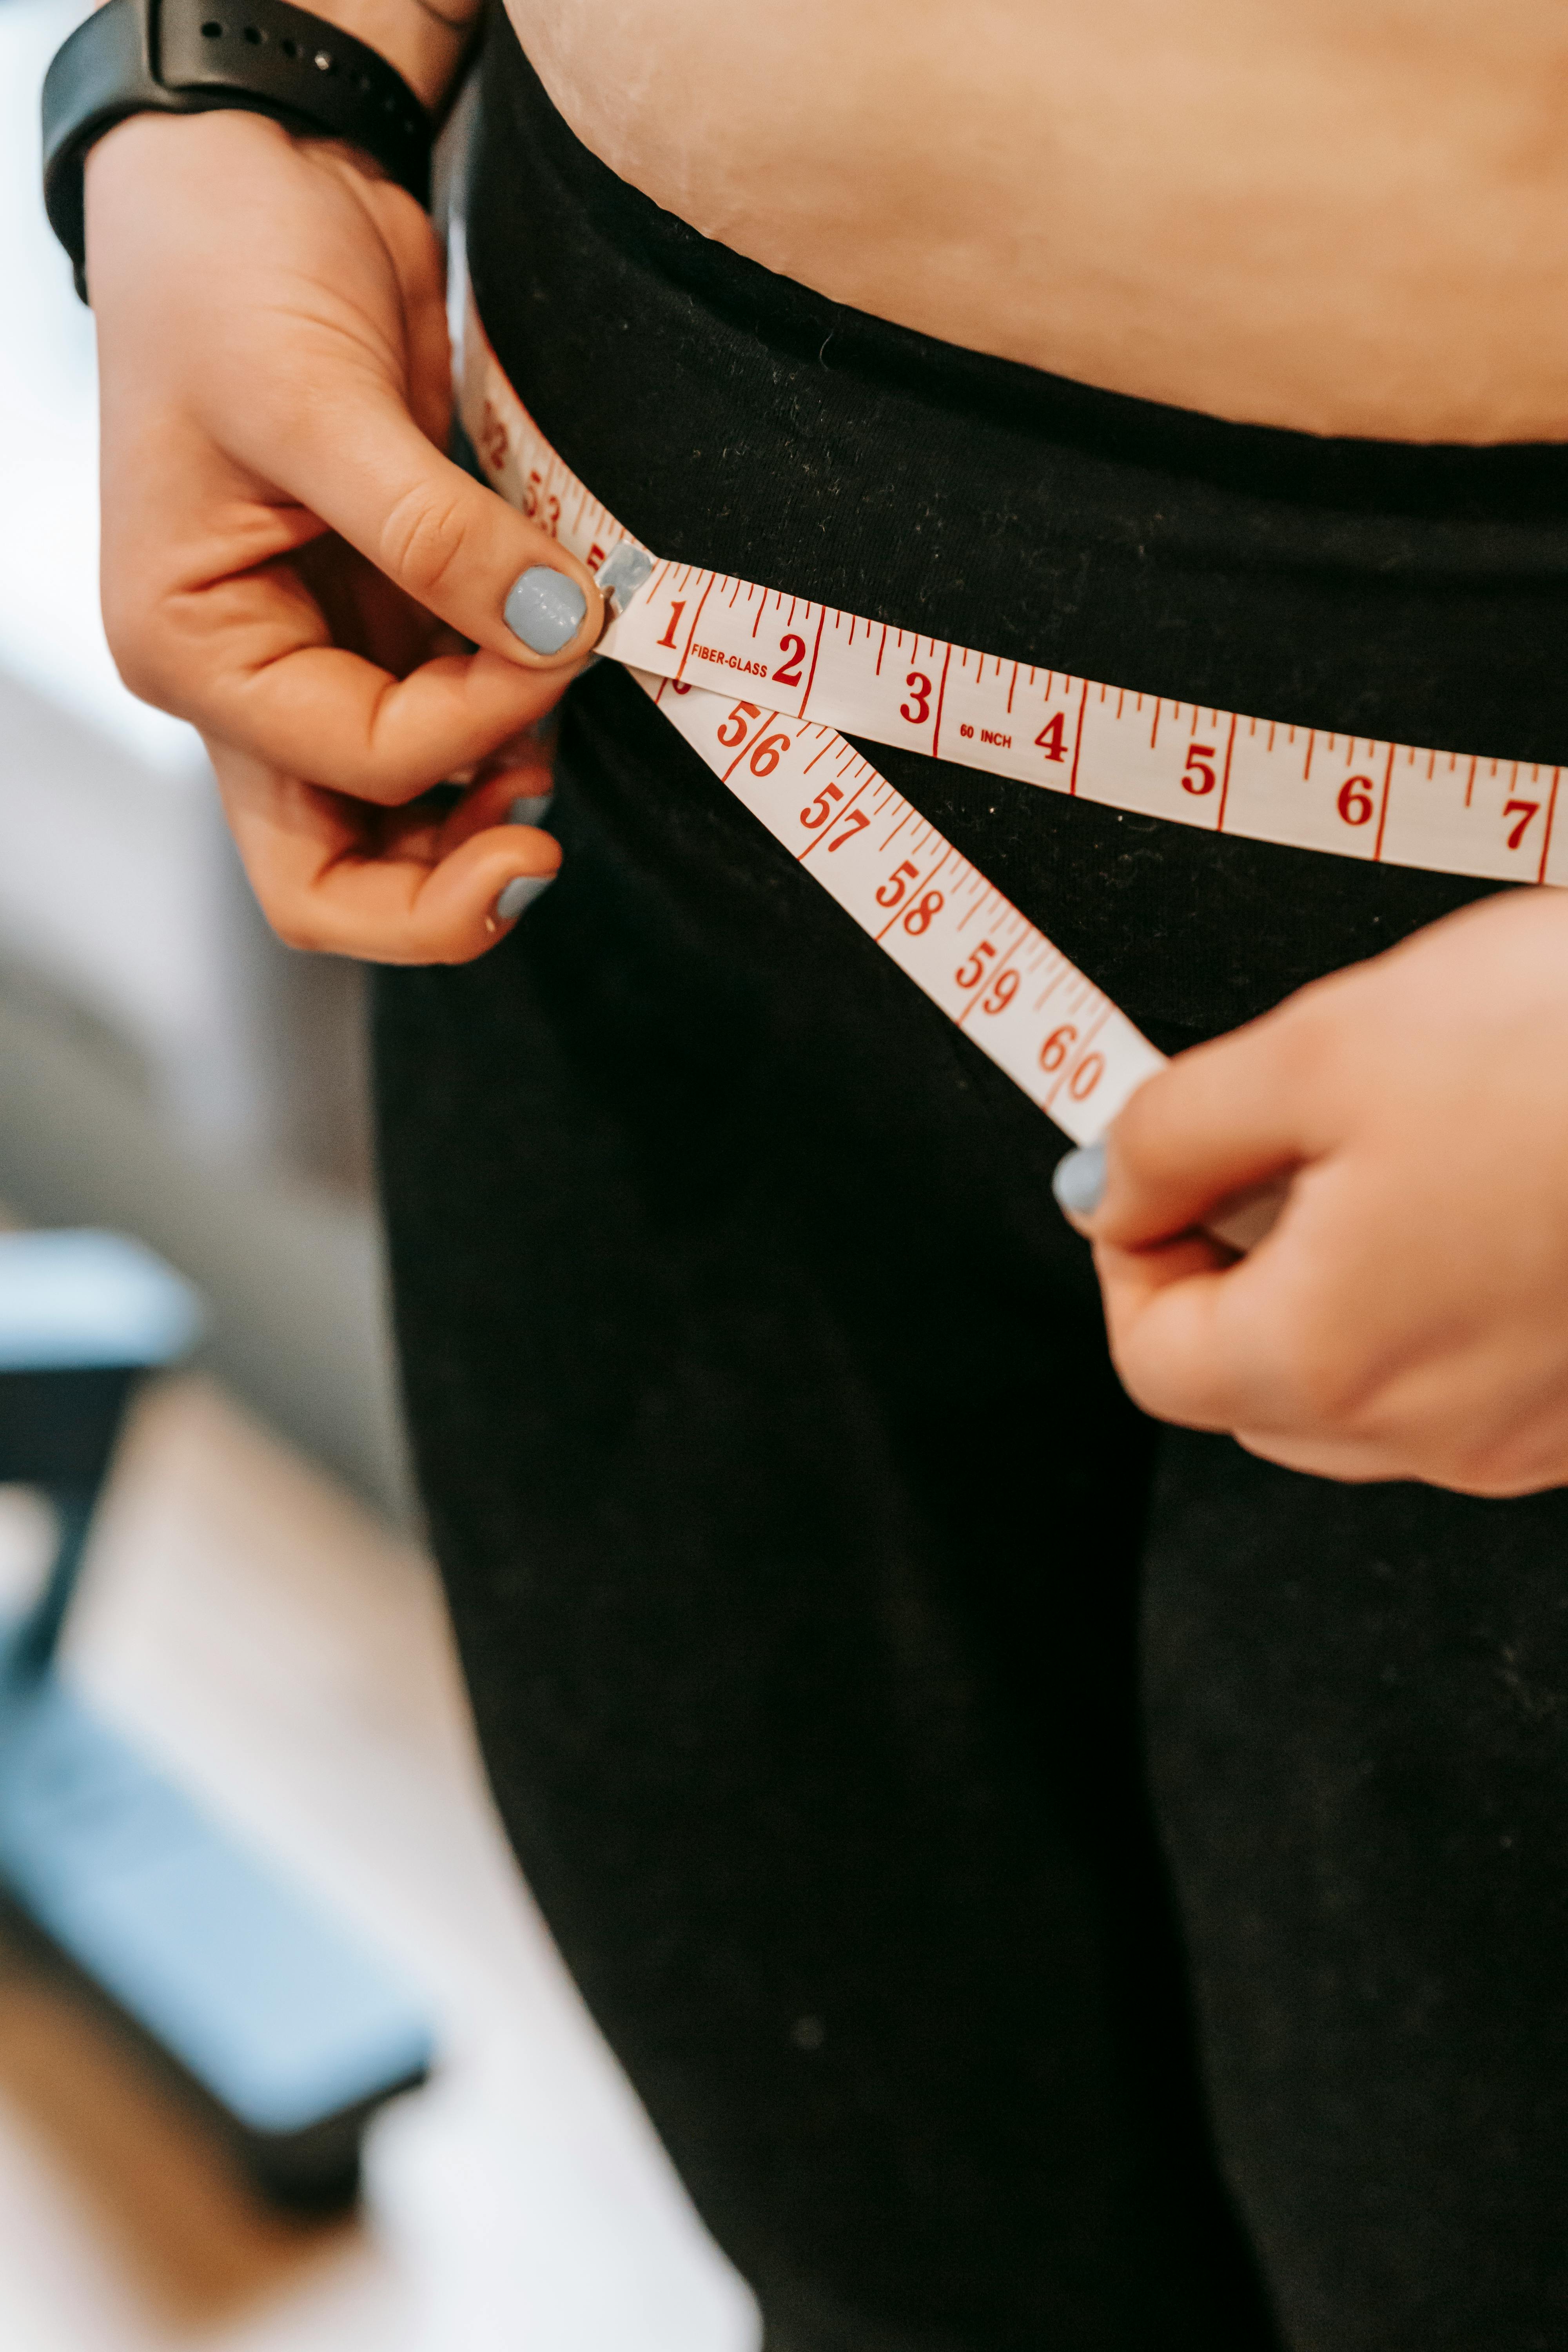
(760, 683)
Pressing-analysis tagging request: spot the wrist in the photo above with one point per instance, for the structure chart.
(274, 57)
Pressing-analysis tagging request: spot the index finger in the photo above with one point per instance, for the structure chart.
(357, 457)
(1220, 1121)
(324, 887)
(231, 637)
(1174, 1333)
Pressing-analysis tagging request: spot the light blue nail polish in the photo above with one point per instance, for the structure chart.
(544, 609)
(529, 808)
(1079, 1180)
(521, 892)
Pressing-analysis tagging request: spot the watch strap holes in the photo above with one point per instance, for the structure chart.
(273, 58)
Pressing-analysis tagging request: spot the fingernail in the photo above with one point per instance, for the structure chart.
(544, 608)
(623, 573)
(521, 892)
(529, 808)
(1079, 1180)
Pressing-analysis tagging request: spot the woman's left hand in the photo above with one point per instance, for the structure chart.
(1408, 1317)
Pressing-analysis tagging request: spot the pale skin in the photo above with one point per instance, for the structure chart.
(1334, 219)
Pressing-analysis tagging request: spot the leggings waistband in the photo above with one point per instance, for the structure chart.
(733, 418)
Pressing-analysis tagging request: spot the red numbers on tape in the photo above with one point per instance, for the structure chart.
(970, 974)
(1052, 736)
(788, 674)
(855, 822)
(494, 446)
(766, 753)
(1527, 810)
(1198, 776)
(1054, 1053)
(536, 502)
(1356, 802)
(978, 968)
(675, 610)
(732, 731)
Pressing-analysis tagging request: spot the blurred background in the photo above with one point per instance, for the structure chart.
(257, 1618)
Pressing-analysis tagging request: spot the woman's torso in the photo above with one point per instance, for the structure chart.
(768, 1432)
(1347, 216)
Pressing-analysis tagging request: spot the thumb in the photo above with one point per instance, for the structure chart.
(371, 475)
(1218, 1122)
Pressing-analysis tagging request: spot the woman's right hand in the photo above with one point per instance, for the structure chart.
(287, 554)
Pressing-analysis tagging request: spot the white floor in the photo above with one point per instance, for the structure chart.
(259, 1633)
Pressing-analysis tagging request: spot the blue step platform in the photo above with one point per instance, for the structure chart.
(267, 2016)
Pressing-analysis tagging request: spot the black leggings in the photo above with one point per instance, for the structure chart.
(1054, 1882)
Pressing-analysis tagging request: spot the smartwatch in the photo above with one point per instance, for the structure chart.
(191, 57)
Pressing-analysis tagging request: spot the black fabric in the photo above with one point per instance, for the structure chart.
(1357, 1714)
(794, 1527)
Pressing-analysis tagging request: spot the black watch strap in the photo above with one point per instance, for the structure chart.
(189, 57)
